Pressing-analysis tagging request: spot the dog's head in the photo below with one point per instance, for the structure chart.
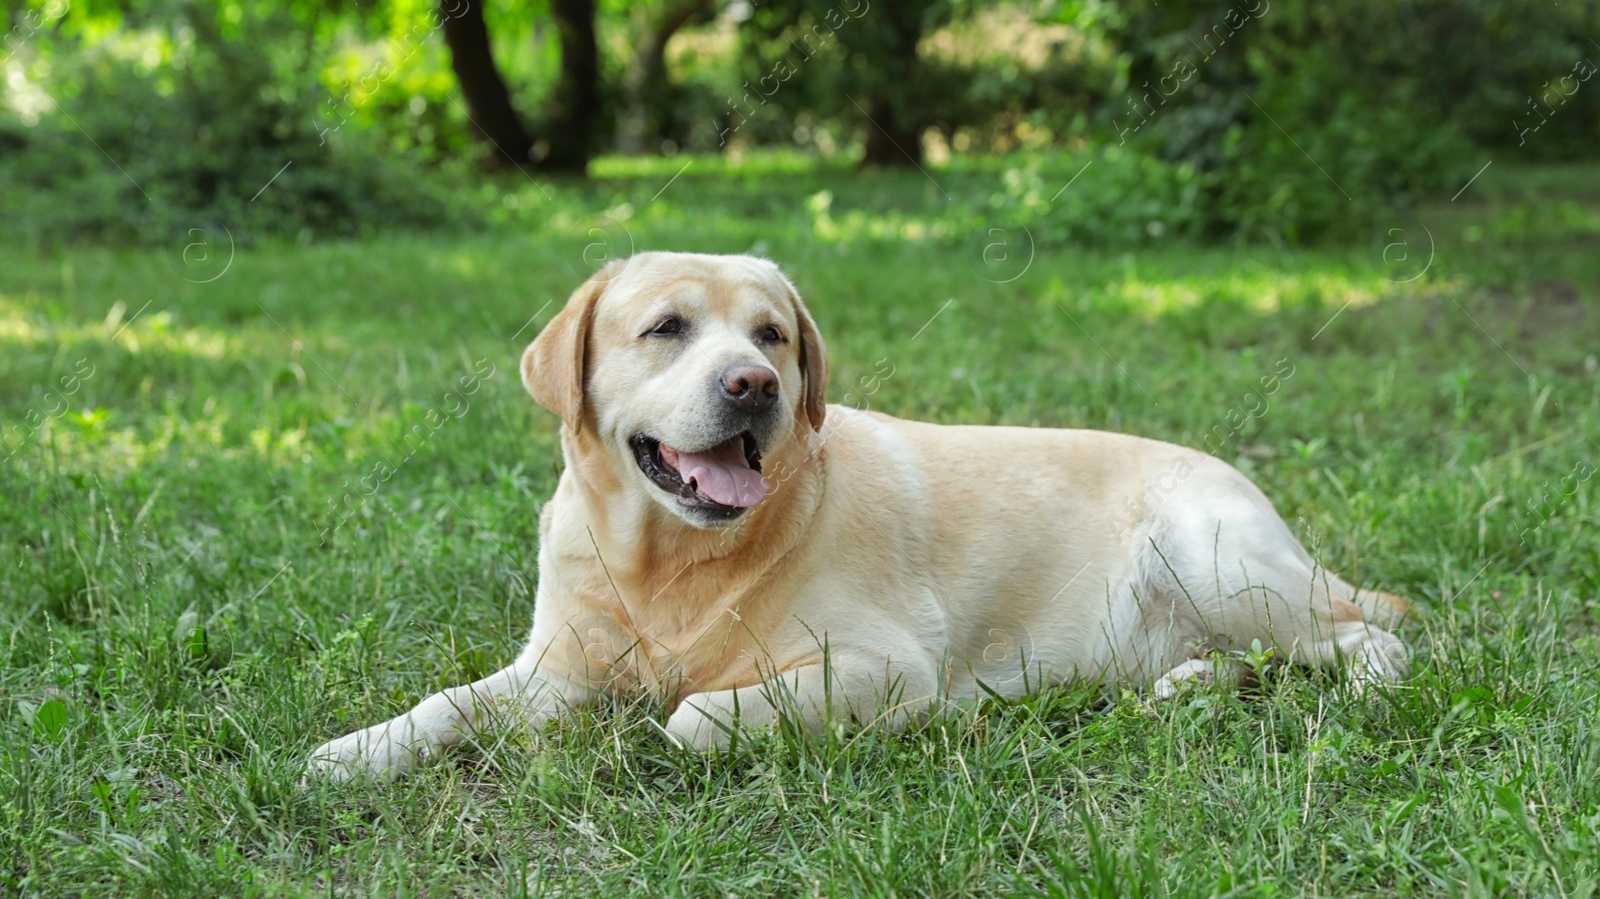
(687, 370)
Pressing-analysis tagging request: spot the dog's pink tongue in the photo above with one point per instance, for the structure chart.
(721, 474)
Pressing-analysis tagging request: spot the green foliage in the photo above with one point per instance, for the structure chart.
(1281, 110)
(1485, 65)
(143, 122)
(396, 82)
(803, 63)
(1317, 164)
(1114, 197)
(183, 124)
(1311, 120)
(985, 78)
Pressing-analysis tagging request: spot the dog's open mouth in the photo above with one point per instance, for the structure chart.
(725, 478)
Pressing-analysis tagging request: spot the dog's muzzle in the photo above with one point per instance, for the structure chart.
(721, 481)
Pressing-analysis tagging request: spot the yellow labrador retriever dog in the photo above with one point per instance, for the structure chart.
(725, 539)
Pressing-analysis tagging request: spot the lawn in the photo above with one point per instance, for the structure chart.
(204, 576)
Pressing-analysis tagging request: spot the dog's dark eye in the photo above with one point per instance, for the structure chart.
(669, 325)
(771, 334)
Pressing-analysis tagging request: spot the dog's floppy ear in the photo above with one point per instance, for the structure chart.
(813, 363)
(555, 365)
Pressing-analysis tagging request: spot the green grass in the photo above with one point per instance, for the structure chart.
(178, 634)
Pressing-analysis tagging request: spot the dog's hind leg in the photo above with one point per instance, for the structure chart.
(1250, 579)
(1331, 626)
(1311, 618)
(1368, 653)
(1348, 627)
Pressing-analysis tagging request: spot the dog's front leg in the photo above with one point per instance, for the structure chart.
(387, 751)
(812, 695)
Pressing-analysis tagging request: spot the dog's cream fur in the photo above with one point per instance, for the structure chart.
(892, 567)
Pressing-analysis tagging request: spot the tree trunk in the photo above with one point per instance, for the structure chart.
(892, 140)
(645, 89)
(488, 101)
(894, 136)
(567, 138)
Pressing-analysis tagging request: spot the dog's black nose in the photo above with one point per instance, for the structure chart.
(752, 388)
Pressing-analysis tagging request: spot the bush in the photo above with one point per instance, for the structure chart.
(144, 135)
(1328, 164)
(1303, 121)
(1114, 197)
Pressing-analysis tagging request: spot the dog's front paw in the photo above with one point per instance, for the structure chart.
(700, 726)
(373, 753)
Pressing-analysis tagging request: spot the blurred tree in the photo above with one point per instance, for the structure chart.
(564, 139)
(877, 66)
(649, 97)
(890, 71)
(488, 101)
